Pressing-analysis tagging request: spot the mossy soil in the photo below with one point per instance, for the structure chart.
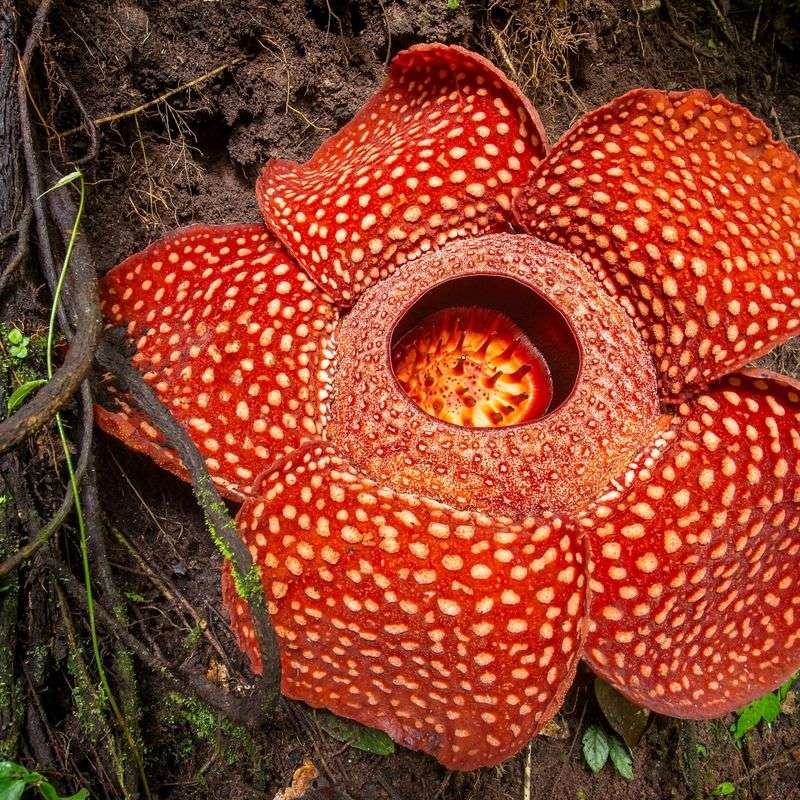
(293, 72)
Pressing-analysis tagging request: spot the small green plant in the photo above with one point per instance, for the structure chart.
(359, 736)
(453, 5)
(18, 343)
(723, 789)
(764, 709)
(625, 718)
(20, 358)
(598, 747)
(15, 780)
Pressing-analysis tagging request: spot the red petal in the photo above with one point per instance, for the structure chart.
(129, 425)
(437, 154)
(455, 633)
(233, 339)
(696, 560)
(687, 210)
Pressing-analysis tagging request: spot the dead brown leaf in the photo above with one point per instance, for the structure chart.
(302, 779)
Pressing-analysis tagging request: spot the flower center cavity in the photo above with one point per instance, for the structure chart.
(479, 364)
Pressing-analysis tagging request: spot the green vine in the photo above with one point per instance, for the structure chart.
(67, 180)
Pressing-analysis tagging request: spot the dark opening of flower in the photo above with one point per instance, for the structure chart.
(468, 457)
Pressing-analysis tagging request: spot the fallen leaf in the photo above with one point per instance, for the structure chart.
(555, 729)
(218, 673)
(302, 779)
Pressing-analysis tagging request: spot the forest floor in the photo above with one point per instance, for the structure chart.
(239, 82)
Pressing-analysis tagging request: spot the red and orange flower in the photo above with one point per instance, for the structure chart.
(469, 458)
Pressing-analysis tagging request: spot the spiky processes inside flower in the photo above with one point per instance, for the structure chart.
(473, 367)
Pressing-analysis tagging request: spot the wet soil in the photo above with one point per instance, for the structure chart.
(274, 79)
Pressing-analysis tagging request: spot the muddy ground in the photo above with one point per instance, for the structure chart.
(274, 79)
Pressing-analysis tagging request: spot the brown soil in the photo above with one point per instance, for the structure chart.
(299, 70)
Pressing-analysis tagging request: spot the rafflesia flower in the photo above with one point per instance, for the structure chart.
(469, 458)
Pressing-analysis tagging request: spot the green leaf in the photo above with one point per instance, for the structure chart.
(15, 336)
(747, 719)
(770, 707)
(723, 789)
(64, 181)
(453, 5)
(765, 709)
(10, 771)
(48, 792)
(21, 392)
(625, 717)
(595, 748)
(358, 736)
(12, 790)
(14, 778)
(620, 757)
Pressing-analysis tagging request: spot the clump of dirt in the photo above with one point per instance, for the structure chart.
(223, 86)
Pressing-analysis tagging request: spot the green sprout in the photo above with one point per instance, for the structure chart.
(764, 709)
(18, 343)
(16, 779)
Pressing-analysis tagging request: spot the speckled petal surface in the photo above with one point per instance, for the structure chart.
(455, 632)
(233, 338)
(686, 210)
(605, 401)
(695, 569)
(437, 154)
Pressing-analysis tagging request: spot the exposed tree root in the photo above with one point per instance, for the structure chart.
(36, 557)
(12, 705)
(221, 525)
(82, 309)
